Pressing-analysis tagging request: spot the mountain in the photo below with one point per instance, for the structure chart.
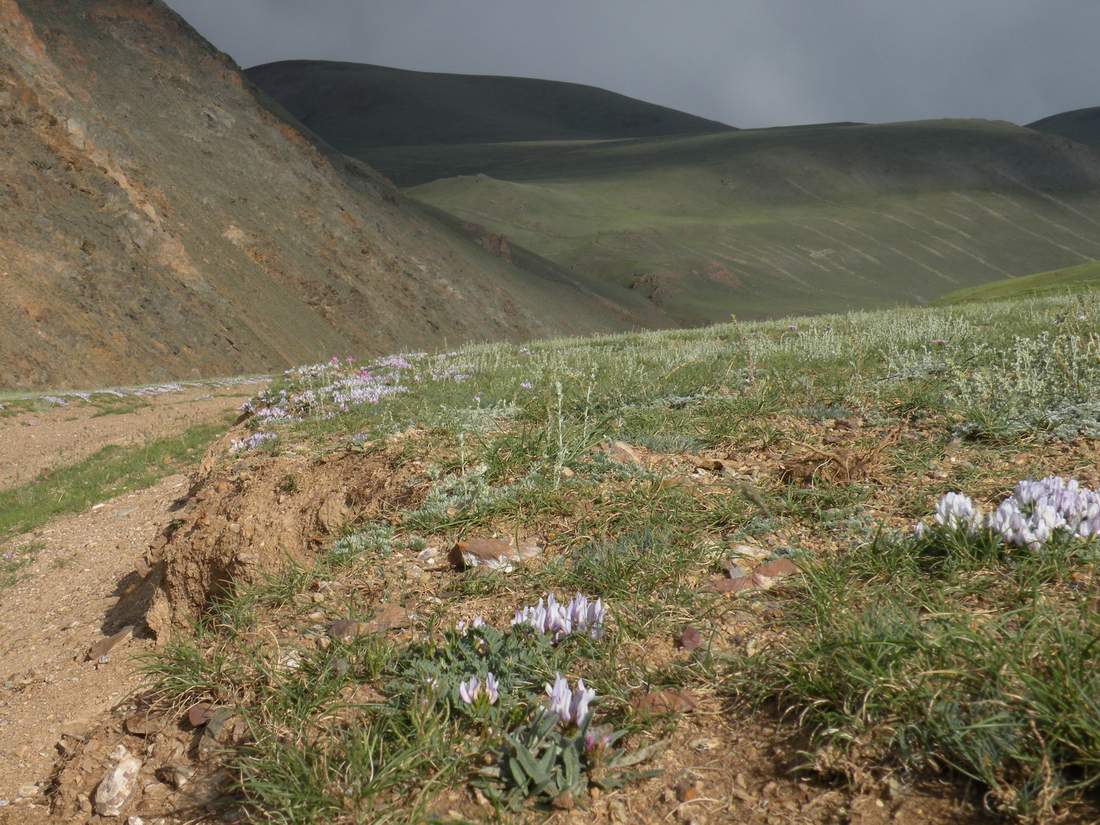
(160, 218)
(686, 229)
(1081, 125)
(356, 106)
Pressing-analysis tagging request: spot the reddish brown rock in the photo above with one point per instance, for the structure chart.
(663, 702)
(689, 638)
(776, 569)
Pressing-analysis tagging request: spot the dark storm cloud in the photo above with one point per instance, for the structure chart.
(745, 62)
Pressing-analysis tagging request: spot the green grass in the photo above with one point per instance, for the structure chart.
(1072, 279)
(951, 655)
(950, 652)
(110, 472)
(773, 222)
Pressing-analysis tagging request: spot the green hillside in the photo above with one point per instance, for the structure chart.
(1081, 125)
(1072, 279)
(686, 229)
(766, 222)
(355, 106)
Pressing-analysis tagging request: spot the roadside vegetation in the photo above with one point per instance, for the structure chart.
(742, 500)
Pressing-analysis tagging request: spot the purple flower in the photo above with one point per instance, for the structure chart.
(251, 442)
(1030, 517)
(473, 690)
(558, 621)
(569, 705)
(526, 385)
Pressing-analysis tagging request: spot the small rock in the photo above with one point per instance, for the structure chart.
(104, 646)
(493, 554)
(663, 702)
(563, 801)
(117, 785)
(389, 617)
(199, 714)
(750, 551)
(176, 775)
(720, 584)
(704, 744)
(141, 724)
(344, 630)
(623, 453)
(776, 569)
(689, 638)
(28, 790)
(617, 812)
(134, 820)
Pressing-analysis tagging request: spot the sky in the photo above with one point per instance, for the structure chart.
(747, 63)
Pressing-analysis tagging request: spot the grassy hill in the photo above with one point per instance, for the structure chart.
(356, 106)
(767, 222)
(162, 221)
(1072, 279)
(690, 228)
(1081, 125)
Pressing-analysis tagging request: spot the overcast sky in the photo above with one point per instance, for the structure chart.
(745, 62)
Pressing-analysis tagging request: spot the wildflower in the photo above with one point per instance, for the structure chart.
(597, 741)
(474, 690)
(957, 510)
(251, 442)
(526, 385)
(558, 621)
(461, 626)
(1035, 513)
(570, 705)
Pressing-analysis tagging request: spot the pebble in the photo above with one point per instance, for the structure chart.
(118, 783)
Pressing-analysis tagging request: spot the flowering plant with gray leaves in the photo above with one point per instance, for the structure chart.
(477, 691)
(1035, 513)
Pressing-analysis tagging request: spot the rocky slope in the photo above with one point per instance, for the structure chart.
(158, 220)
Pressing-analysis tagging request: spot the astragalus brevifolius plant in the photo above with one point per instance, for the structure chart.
(667, 477)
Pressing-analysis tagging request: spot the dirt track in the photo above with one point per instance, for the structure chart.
(66, 600)
(36, 441)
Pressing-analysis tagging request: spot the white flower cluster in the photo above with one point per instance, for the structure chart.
(557, 620)
(1034, 513)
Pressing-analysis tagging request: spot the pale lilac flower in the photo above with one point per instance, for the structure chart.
(251, 442)
(557, 620)
(474, 689)
(569, 705)
(526, 385)
(1034, 514)
(957, 510)
(596, 741)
